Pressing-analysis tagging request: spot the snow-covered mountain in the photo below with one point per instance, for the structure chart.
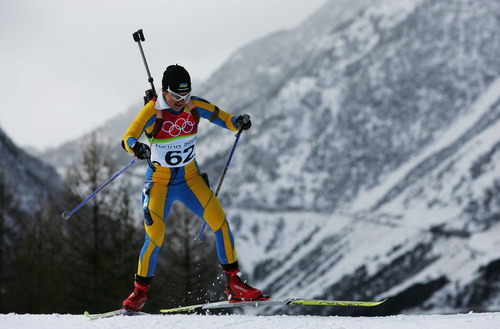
(383, 145)
(371, 169)
(28, 181)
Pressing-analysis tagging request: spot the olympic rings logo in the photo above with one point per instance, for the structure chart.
(180, 125)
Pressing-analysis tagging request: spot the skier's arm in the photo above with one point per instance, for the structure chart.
(215, 115)
(144, 120)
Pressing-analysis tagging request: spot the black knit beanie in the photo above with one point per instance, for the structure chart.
(177, 79)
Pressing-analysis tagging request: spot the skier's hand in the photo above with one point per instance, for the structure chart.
(141, 151)
(150, 94)
(243, 122)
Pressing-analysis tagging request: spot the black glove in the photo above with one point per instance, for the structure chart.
(141, 151)
(243, 121)
(150, 94)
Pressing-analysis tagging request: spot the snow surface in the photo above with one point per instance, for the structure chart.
(57, 321)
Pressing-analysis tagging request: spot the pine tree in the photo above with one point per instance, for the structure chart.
(101, 232)
(5, 205)
(39, 263)
(31, 245)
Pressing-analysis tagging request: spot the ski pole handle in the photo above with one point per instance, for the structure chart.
(138, 37)
(66, 215)
(199, 238)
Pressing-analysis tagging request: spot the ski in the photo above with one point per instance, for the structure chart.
(110, 314)
(289, 301)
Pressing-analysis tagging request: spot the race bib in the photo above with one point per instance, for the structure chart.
(175, 143)
(176, 153)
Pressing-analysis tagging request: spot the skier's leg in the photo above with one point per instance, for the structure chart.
(155, 207)
(204, 204)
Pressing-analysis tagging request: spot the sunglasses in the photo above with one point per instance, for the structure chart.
(177, 97)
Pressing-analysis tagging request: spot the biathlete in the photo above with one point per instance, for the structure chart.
(171, 123)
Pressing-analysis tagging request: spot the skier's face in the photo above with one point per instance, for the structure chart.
(176, 101)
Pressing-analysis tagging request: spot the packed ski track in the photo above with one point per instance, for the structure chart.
(198, 321)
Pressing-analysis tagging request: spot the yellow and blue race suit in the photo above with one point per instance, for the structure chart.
(177, 175)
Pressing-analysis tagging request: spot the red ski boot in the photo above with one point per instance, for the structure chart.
(239, 291)
(135, 302)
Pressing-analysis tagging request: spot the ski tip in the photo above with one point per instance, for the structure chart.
(379, 302)
(376, 303)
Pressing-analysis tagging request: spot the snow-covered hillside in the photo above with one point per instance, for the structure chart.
(26, 177)
(376, 173)
(463, 321)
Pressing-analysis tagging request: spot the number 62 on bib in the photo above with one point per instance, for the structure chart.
(174, 154)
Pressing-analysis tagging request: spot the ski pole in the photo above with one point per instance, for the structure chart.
(138, 37)
(66, 215)
(199, 238)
